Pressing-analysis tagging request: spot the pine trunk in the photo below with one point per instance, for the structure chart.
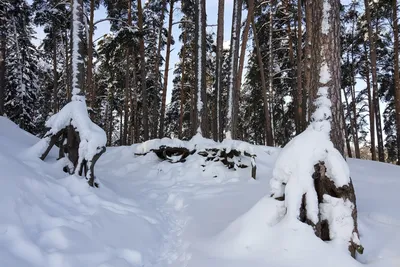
(371, 106)
(375, 98)
(268, 127)
(217, 135)
(233, 94)
(200, 123)
(308, 89)
(3, 38)
(127, 81)
(299, 96)
(143, 73)
(183, 77)
(396, 77)
(245, 35)
(55, 76)
(89, 80)
(167, 57)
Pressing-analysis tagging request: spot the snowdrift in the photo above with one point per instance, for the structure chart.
(153, 213)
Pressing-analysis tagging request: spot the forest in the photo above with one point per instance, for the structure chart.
(265, 99)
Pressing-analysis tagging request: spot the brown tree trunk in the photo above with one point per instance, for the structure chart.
(371, 106)
(245, 35)
(165, 84)
(67, 68)
(268, 127)
(233, 94)
(218, 70)
(3, 39)
(143, 73)
(200, 123)
(299, 97)
(308, 70)
(55, 75)
(396, 77)
(127, 81)
(183, 77)
(135, 113)
(375, 98)
(89, 79)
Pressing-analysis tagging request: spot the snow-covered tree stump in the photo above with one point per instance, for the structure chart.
(80, 141)
(232, 158)
(313, 179)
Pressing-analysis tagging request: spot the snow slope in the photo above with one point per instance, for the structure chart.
(151, 213)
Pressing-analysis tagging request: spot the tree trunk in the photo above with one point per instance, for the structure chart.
(89, 81)
(2, 68)
(375, 98)
(396, 77)
(371, 106)
(182, 104)
(218, 70)
(127, 81)
(143, 73)
(299, 97)
(200, 124)
(233, 94)
(268, 127)
(308, 65)
(55, 75)
(165, 84)
(78, 68)
(67, 68)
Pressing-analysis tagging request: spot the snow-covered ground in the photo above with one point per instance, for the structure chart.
(150, 213)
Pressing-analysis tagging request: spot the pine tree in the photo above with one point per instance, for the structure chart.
(21, 68)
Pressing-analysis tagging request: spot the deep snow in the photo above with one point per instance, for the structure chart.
(151, 213)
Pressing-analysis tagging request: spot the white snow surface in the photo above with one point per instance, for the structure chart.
(151, 213)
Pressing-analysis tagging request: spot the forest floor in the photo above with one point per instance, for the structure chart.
(157, 214)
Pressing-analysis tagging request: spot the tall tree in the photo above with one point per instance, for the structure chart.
(233, 99)
(375, 99)
(217, 135)
(143, 73)
(166, 71)
(396, 76)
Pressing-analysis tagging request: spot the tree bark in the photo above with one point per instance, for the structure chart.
(307, 95)
(55, 75)
(167, 57)
(143, 73)
(375, 98)
(183, 77)
(370, 105)
(245, 35)
(127, 81)
(89, 79)
(233, 94)
(218, 70)
(299, 96)
(2, 67)
(396, 77)
(268, 127)
(200, 123)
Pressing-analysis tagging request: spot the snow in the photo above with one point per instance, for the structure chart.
(157, 214)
